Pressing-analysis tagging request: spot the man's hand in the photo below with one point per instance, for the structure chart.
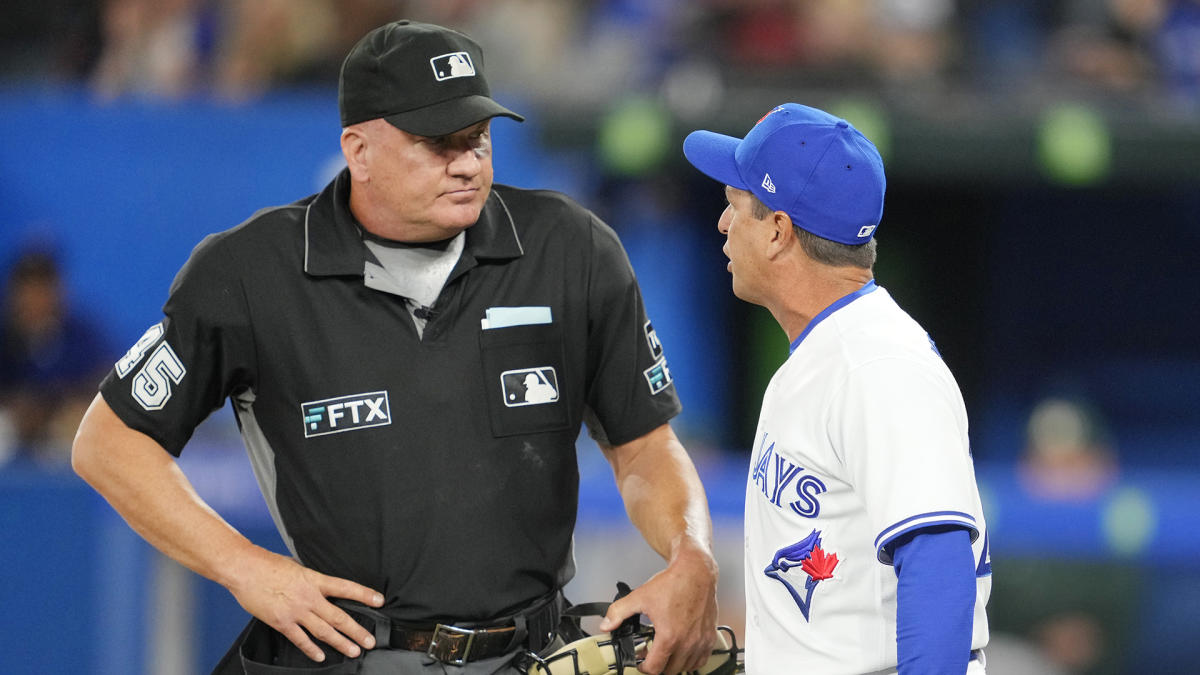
(665, 499)
(681, 602)
(293, 599)
(146, 486)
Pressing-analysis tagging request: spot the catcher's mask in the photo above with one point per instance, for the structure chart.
(624, 648)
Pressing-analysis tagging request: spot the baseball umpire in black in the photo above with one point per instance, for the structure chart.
(410, 354)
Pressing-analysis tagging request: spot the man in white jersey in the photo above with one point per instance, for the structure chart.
(866, 548)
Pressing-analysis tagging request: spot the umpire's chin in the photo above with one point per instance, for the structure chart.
(459, 208)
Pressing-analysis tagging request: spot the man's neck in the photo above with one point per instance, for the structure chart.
(810, 293)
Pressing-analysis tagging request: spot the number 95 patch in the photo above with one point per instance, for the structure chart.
(152, 385)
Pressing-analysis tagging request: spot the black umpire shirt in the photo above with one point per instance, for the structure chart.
(441, 469)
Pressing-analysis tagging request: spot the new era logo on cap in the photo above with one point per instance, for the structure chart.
(767, 184)
(450, 66)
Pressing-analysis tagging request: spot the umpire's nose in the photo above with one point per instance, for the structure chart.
(466, 162)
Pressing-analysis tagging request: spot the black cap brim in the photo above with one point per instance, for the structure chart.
(447, 117)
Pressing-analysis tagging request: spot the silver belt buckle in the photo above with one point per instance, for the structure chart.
(447, 644)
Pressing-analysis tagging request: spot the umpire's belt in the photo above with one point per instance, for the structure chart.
(533, 628)
(455, 644)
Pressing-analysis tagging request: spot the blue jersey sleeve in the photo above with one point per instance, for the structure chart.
(935, 600)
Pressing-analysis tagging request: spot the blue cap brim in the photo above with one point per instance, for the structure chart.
(713, 155)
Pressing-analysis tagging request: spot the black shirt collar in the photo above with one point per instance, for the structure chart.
(333, 242)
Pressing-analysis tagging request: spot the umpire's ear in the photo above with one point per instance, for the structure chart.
(354, 149)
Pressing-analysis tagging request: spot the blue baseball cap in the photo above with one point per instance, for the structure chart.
(813, 166)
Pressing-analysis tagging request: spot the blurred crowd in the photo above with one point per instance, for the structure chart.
(574, 52)
(52, 356)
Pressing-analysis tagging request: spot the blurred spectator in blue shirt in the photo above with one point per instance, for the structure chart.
(1177, 47)
(51, 360)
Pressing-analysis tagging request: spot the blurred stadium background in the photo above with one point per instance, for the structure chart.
(1043, 205)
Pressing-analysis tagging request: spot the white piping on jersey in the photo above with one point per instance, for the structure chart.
(923, 520)
(307, 211)
(511, 223)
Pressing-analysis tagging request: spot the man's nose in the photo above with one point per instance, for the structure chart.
(723, 221)
(466, 162)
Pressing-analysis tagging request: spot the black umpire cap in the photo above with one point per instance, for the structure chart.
(422, 78)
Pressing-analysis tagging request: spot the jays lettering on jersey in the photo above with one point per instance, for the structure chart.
(862, 437)
(438, 468)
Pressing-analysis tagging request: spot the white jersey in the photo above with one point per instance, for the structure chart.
(862, 437)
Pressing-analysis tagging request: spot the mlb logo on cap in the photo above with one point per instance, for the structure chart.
(386, 76)
(449, 66)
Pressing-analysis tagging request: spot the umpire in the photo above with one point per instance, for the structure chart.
(410, 354)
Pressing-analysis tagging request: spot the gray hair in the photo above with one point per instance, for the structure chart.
(820, 249)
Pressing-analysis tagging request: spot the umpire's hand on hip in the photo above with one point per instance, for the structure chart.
(681, 602)
(293, 599)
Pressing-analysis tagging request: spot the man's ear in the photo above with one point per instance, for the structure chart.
(782, 236)
(354, 149)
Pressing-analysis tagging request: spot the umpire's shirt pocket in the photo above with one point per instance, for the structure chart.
(523, 378)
